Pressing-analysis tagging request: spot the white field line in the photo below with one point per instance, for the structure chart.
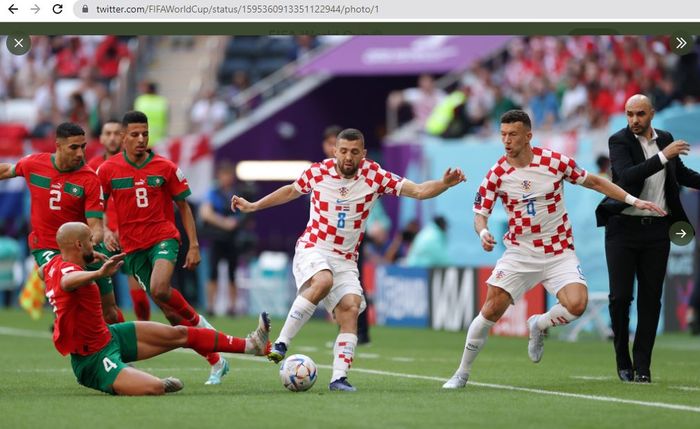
(662, 405)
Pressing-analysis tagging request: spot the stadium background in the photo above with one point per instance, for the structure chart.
(270, 98)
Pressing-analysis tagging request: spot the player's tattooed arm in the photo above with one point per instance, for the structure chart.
(7, 171)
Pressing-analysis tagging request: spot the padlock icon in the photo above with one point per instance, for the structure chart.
(85, 8)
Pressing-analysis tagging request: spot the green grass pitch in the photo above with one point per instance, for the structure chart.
(398, 376)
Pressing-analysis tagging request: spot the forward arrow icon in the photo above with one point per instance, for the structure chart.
(682, 233)
(681, 43)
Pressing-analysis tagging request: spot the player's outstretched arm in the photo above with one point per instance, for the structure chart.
(282, 195)
(481, 226)
(75, 279)
(193, 257)
(433, 188)
(7, 171)
(609, 189)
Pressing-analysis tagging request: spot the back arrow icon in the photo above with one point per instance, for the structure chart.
(12, 9)
(681, 43)
(682, 233)
(35, 9)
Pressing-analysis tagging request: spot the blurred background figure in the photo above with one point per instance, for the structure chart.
(429, 248)
(220, 226)
(156, 108)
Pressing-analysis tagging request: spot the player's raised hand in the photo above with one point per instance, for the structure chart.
(192, 259)
(240, 203)
(648, 205)
(112, 265)
(453, 177)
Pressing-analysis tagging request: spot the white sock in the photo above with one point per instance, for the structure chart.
(343, 353)
(557, 315)
(477, 335)
(299, 314)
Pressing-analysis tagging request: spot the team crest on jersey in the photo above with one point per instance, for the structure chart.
(500, 274)
(343, 191)
(180, 175)
(526, 185)
(477, 198)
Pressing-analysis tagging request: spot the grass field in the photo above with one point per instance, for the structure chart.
(398, 376)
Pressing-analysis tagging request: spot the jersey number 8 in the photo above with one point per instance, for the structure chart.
(141, 197)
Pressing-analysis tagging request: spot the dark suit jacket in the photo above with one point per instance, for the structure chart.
(630, 169)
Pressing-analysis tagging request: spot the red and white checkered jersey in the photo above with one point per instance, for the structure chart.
(339, 207)
(534, 200)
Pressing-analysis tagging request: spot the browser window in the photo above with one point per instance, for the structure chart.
(252, 94)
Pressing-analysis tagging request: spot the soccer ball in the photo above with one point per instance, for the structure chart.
(298, 373)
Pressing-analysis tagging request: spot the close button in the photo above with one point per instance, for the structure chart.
(18, 44)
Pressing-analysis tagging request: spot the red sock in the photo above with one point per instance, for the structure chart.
(120, 316)
(212, 358)
(142, 307)
(208, 340)
(178, 303)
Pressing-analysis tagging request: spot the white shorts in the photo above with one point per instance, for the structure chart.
(346, 277)
(517, 276)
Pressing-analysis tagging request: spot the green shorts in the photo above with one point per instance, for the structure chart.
(99, 370)
(42, 256)
(140, 263)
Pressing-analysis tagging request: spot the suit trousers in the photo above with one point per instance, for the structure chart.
(636, 247)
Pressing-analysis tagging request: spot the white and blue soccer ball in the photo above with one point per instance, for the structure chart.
(298, 373)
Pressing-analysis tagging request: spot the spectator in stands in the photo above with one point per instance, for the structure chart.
(422, 100)
(303, 45)
(208, 113)
(155, 107)
(71, 58)
(543, 104)
(330, 135)
(108, 56)
(240, 81)
(603, 163)
(429, 248)
(501, 104)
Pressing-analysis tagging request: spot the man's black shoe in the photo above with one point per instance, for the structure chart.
(626, 375)
(641, 378)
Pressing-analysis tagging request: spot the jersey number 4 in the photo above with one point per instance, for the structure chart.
(141, 197)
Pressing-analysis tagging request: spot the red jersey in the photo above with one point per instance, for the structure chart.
(110, 211)
(143, 196)
(58, 197)
(79, 327)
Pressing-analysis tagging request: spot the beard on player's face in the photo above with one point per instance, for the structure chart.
(88, 256)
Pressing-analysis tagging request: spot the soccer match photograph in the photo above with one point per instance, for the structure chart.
(346, 222)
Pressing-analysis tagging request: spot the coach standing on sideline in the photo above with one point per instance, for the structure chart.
(646, 163)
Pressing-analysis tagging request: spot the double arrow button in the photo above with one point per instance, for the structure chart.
(681, 43)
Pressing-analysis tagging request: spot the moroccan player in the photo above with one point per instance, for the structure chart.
(111, 139)
(99, 353)
(144, 186)
(539, 242)
(63, 189)
(343, 191)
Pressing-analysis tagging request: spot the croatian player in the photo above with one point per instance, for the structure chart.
(343, 191)
(539, 242)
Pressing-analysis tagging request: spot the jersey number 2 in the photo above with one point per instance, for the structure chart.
(141, 197)
(55, 199)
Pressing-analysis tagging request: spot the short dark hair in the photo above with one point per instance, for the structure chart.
(513, 116)
(134, 117)
(351, 134)
(69, 129)
(111, 121)
(331, 131)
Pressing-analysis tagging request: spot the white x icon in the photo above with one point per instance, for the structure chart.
(18, 43)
